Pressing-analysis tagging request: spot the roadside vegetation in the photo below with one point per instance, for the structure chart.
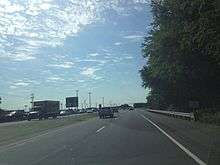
(207, 116)
(14, 132)
(182, 53)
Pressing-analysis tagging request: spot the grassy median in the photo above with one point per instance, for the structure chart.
(20, 131)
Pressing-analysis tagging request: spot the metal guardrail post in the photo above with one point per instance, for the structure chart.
(189, 116)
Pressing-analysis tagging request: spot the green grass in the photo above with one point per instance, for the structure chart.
(210, 118)
(20, 131)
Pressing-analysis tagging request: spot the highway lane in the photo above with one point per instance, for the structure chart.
(126, 140)
(202, 139)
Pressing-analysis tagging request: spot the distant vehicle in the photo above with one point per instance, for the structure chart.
(44, 110)
(115, 109)
(125, 107)
(2, 115)
(106, 112)
(89, 110)
(95, 109)
(140, 105)
(82, 110)
(130, 108)
(33, 115)
(15, 115)
(65, 112)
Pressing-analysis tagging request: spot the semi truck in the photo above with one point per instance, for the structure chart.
(44, 110)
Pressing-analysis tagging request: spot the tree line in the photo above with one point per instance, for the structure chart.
(182, 53)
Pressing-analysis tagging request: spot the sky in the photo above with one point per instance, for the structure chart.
(54, 47)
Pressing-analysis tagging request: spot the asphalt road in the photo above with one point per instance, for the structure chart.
(127, 139)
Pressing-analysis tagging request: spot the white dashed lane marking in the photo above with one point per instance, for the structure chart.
(100, 129)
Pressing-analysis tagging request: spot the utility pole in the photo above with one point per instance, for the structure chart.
(90, 104)
(77, 95)
(32, 101)
(61, 106)
(0, 102)
(81, 104)
(103, 101)
(85, 104)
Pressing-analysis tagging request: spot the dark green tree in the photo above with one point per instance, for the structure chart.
(183, 54)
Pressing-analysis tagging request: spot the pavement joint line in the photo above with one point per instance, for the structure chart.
(188, 152)
(100, 129)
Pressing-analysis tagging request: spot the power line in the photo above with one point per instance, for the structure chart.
(0, 102)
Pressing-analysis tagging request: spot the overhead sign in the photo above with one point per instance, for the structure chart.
(72, 102)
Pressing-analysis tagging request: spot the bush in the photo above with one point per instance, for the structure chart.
(210, 116)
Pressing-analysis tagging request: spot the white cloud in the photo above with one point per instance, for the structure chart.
(13, 87)
(128, 57)
(8, 7)
(47, 23)
(81, 81)
(133, 37)
(105, 50)
(63, 65)
(19, 83)
(90, 72)
(22, 57)
(54, 79)
(117, 43)
(45, 6)
(97, 77)
(93, 60)
(22, 83)
(93, 54)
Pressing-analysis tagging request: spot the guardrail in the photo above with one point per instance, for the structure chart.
(188, 116)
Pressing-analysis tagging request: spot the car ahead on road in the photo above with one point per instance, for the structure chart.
(106, 112)
(82, 110)
(95, 109)
(65, 112)
(130, 108)
(15, 115)
(89, 110)
(32, 115)
(115, 109)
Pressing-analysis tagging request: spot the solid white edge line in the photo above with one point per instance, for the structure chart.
(100, 129)
(188, 152)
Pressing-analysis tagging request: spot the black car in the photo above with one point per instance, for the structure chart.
(106, 112)
(33, 115)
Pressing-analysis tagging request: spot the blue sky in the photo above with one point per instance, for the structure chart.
(53, 47)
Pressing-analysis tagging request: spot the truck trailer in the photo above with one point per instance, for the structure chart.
(44, 110)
